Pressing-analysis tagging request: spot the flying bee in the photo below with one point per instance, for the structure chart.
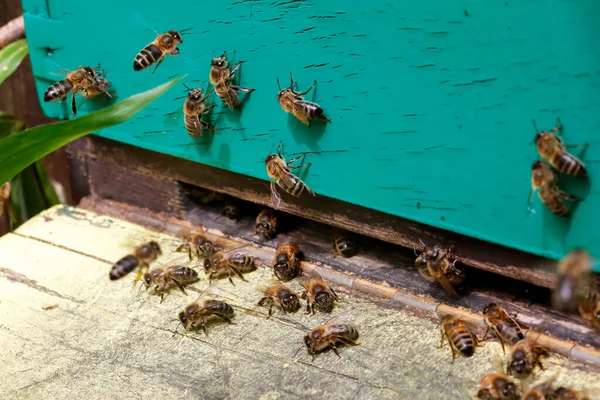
(280, 296)
(318, 293)
(550, 147)
(543, 178)
(459, 336)
(100, 87)
(292, 102)
(434, 265)
(197, 243)
(330, 336)
(194, 316)
(505, 327)
(266, 224)
(220, 266)
(155, 52)
(573, 280)
(77, 81)
(524, 357)
(343, 244)
(279, 173)
(222, 75)
(497, 387)
(286, 264)
(144, 255)
(589, 308)
(563, 393)
(193, 110)
(164, 279)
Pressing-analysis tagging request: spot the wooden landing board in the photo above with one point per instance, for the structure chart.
(105, 340)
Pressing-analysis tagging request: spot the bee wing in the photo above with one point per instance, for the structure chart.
(275, 197)
(437, 272)
(298, 111)
(179, 260)
(139, 20)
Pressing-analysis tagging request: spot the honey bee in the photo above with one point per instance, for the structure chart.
(573, 280)
(193, 110)
(233, 209)
(497, 387)
(280, 296)
(563, 393)
(318, 293)
(155, 52)
(435, 266)
(459, 336)
(293, 102)
(541, 391)
(279, 173)
(343, 244)
(5, 203)
(543, 178)
(330, 336)
(143, 256)
(100, 87)
(524, 357)
(77, 81)
(220, 266)
(198, 244)
(589, 308)
(164, 279)
(221, 75)
(194, 315)
(550, 147)
(266, 224)
(286, 263)
(505, 327)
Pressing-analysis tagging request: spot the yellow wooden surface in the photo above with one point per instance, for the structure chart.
(105, 340)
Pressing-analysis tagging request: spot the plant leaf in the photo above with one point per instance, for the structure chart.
(35, 192)
(9, 125)
(11, 56)
(20, 150)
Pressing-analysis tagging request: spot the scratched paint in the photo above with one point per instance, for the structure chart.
(431, 107)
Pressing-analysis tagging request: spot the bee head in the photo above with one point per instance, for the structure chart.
(183, 319)
(490, 309)
(176, 36)
(518, 363)
(290, 302)
(155, 247)
(147, 279)
(509, 390)
(270, 157)
(195, 94)
(219, 62)
(308, 343)
(537, 165)
(325, 301)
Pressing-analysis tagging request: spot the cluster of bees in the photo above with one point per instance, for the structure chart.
(219, 264)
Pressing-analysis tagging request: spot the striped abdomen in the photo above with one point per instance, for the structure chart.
(292, 184)
(124, 266)
(148, 56)
(193, 125)
(243, 263)
(552, 199)
(568, 164)
(58, 90)
(184, 274)
(219, 308)
(228, 95)
(510, 331)
(312, 110)
(461, 339)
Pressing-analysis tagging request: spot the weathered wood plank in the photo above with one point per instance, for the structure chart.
(105, 340)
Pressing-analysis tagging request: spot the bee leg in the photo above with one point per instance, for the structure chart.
(442, 341)
(501, 341)
(270, 311)
(242, 89)
(238, 273)
(476, 340)
(162, 296)
(179, 285)
(335, 350)
(204, 328)
(225, 318)
(158, 63)
(453, 353)
(309, 89)
(300, 166)
(206, 125)
(335, 296)
(485, 334)
(208, 109)
(300, 157)
(569, 196)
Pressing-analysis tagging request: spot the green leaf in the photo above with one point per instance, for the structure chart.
(20, 150)
(9, 125)
(34, 193)
(11, 56)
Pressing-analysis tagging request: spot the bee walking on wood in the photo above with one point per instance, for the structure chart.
(459, 337)
(318, 293)
(551, 147)
(497, 387)
(505, 327)
(165, 278)
(220, 265)
(194, 316)
(155, 52)
(77, 81)
(543, 178)
(573, 280)
(193, 110)
(142, 258)
(286, 264)
(434, 265)
(344, 244)
(292, 102)
(280, 296)
(222, 75)
(196, 243)
(279, 174)
(524, 357)
(330, 336)
(266, 224)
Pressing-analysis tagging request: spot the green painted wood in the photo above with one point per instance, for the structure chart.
(431, 103)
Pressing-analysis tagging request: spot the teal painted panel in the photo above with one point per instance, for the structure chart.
(431, 103)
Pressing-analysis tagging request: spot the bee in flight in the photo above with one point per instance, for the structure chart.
(144, 255)
(279, 173)
(544, 180)
(292, 102)
(573, 280)
(155, 52)
(193, 110)
(222, 75)
(551, 147)
(77, 81)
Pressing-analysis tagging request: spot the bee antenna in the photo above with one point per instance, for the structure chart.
(175, 331)
(291, 80)
(297, 351)
(186, 86)
(423, 243)
(415, 250)
(271, 149)
(278, 85)
(535, 126)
